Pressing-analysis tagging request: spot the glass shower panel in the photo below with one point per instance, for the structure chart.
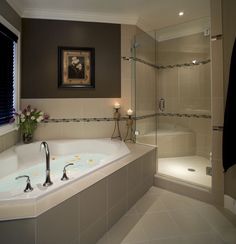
(145, 87)
(184, 87)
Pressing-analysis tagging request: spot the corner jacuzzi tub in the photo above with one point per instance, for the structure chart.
(87, 156)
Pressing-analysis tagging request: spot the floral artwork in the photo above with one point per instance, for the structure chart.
(76, 67)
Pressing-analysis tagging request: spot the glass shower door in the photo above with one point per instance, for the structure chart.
(145, 87)
(184, 84)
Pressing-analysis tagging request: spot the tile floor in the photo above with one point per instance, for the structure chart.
(163, 217)
(178, 168)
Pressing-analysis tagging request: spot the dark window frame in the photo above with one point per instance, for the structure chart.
(9, 79)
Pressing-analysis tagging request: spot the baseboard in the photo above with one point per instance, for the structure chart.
(230, 203)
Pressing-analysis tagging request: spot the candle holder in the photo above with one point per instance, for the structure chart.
(130, 132)
(116, 132)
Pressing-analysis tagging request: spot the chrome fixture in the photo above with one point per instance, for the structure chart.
(162, 104)
(48, 181)
(64, 176)
(28, 187)
(209, 170)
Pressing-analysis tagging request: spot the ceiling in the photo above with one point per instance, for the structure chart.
(148, 14)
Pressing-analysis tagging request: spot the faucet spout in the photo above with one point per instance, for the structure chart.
(48, 181)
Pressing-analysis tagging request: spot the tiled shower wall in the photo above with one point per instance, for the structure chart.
(87, 107)
(186, 89)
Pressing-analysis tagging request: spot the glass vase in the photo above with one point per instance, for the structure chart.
(27, 138)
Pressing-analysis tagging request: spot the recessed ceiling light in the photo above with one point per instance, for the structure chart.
(181, 13)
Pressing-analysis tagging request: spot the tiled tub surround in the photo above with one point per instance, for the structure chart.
(86, 209)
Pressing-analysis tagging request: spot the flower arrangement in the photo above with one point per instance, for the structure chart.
(28, 120)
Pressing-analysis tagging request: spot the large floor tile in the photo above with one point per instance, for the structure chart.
(190, 222)
(174, 201)
(127, 229)
(159, 225)
(150, 203)
(216, 217)
(228, 235)
(172, 240)
(163, 217)
(156, 191)
(205, 238)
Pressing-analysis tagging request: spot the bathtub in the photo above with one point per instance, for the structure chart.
(86, 155)
(172, 141)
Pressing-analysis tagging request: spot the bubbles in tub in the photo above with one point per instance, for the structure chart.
(90, 161)
(35, 173)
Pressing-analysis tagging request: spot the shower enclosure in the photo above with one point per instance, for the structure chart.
(173, 99)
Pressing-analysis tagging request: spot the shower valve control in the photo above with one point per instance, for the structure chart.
(162, 104)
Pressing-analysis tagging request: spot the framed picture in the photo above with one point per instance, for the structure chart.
(76, 67)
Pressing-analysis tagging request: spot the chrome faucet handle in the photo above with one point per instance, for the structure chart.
(28, 187)
(64, 176)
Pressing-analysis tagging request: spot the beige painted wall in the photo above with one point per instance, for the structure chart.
(229, 34)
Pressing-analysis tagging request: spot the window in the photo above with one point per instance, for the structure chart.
(9, 73)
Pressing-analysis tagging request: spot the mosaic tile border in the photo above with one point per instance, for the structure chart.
(217, 128)
(202, 116)
(77, 120)
(166, 66)
(124, 118)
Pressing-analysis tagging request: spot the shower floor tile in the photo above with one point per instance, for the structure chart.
(178, 167)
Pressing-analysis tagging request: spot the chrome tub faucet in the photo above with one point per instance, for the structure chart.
(48, 181)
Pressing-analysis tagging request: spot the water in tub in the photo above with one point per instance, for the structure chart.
(83, 163)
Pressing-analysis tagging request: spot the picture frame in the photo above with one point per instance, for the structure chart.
(76, 67)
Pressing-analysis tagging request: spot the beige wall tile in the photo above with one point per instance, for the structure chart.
(91, 211)
(218, 111)
(217, 68)
(117, 187)
(217, 145)
(216, 17)
(217, 181)
(8, 140)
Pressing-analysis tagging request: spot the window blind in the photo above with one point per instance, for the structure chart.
(7, 49)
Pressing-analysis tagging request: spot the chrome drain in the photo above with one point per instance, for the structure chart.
(192, 170)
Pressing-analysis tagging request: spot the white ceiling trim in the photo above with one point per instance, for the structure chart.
(143, 25)
(79, 16)
(16, 7)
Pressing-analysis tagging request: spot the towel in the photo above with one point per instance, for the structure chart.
(229, 131)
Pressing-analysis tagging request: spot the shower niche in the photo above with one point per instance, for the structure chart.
(173, 99)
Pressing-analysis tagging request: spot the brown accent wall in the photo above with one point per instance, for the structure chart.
(40, 41)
